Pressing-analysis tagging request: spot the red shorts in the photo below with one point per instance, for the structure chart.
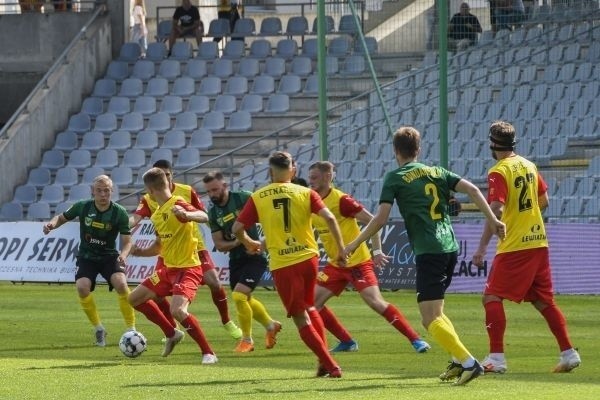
(175, 281)
(336, 279)
(206, 262)
(296, 285)
(522, 275)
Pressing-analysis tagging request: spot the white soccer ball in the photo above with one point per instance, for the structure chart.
(132, 344)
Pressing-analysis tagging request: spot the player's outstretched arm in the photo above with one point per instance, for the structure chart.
(379, 219)
(252, 246)
(497, 227)
(54, 223)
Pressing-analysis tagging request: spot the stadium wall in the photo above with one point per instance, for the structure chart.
(26, 254)
(49, 110)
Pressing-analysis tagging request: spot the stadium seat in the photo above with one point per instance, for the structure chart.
(329, 25)
(252, 103)
(248, 67)
(107, 159)
(348, 25)
(234, 50)
(183, 86)
(122, 176)
(181, 51)
(263, 85)
(312, 85)
(159, 122)
(92, 140)
(79, 192)
(301, 66)
(79, 123)
(310, 48)
(106, 122)
(260, 48)
(274, 66)
(297, 25)
(353, 65)
(213, 121)
(131, 87)
(118, 105)
(11, 211)
(66, 140)
(239, 121)
(278, 103)
(340, 46)
(174, 140)
(171, 105)
(38, 211)
(225, 103)
(92, 106)
(119, 140)
(210, 86)
(145, 105)
(143, 70)
(289, 84)
(219, 28)
(130, 52)
(270, 26)
(244, 27)
(196, 69)
(186, 121)
(201, 139)
(163, 31)
(145, 140)
(39, 177)
(90, 173)
(157, 87)
(161, 154)
(198, 105)
(208, 51)
(370, 42)
(286, 49)
(134, 158)
(169, 69)
(157, 51)
(237, 85)
(187, 158)
(66, 176)
(80, 159)
(117, 70)
(52, 194)
(223, 67)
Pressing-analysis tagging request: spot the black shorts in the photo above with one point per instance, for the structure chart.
(434, 275)
(247, 271)
(91, 268)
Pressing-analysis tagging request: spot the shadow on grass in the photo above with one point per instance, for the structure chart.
(75, 366)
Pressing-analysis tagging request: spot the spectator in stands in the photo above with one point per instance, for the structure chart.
(517, 194)
(139, 31)
(464, 27)
(508, 13)
(228, 9)
(186, 22)
(31, 5)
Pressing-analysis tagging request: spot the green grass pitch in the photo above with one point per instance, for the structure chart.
(46, 352)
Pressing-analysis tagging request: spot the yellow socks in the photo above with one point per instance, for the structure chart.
(260, 312)
(445, 335)
(88, 305)
(126, 310)
(244, 312)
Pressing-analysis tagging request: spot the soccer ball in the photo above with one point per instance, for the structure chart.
(132, 344)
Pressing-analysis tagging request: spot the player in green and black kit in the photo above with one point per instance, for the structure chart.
(101, 221)
(245, 270)
(422, 194)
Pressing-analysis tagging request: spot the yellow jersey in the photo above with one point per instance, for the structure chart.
(344, 207)
(515, 182)
(178, 239)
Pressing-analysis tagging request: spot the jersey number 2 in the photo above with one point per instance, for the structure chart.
(431, 190)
